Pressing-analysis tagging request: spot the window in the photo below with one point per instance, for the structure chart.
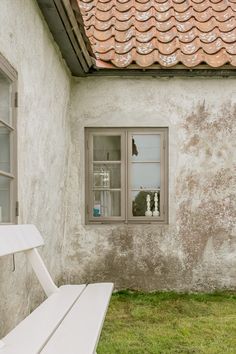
(126, 175)
(7, 143)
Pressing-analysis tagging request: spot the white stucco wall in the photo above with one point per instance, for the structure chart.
(197, 249)
(43, 134)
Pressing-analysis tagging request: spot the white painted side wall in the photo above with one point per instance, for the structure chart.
(197, 250)
(43, 134)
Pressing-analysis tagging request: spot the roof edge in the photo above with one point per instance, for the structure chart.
(65, 30)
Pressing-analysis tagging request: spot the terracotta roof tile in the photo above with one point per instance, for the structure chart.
(164, 32)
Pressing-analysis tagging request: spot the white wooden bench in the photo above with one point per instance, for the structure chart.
(69, 321)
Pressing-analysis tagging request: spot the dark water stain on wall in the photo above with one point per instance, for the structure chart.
(206, 188)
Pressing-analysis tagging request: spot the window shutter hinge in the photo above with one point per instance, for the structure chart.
(87, 209)
(17, 208)
(87, 143)
(164, 143)
(16, 100)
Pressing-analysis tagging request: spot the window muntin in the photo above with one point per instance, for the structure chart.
(7, 143)
(125, 168)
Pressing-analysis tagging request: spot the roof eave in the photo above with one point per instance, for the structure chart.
(62, 17)
(66, 33)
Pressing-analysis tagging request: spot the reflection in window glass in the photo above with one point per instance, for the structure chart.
(107, 203)
(146, 147)
(4, 149)
(4, 99)
(106, 148)
(145, 176)
(106, 176)
(4, 199)
(139, 202)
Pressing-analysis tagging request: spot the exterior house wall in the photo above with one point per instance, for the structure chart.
(196, 251)
(43, 135)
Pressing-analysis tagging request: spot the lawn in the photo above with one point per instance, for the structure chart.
(169, 323)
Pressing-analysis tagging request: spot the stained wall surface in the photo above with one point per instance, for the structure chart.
(43, 135)
(196, 251)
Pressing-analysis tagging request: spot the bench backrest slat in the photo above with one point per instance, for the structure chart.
(18, 238)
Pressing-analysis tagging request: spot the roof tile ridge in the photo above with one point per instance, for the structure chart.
(228, 49)
(160, 1)
(197, 34)
(217, 35)
(215, 1)
(212, 28)
(152, 9)
(227, 6)
(200, 1)
(208, 4)
(171, 60)
(211, 16)
(194, 14)
(212, 19)
(201, 58)
(152, 24)
(225, 36)
(152, 13)
(186, 48)
(173, 6)
(179, 1)
(98, 7)
(84, 1)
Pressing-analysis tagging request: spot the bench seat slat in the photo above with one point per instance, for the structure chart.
(34, 331)
(79, 331)
(17, 238)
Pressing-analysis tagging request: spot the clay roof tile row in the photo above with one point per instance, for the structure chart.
(164, 32)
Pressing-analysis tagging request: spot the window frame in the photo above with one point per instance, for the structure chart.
(126, 192)
(11, 75)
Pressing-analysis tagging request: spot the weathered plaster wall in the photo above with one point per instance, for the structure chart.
(43, 134)
(197, 249)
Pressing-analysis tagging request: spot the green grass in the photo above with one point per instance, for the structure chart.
(169, 323)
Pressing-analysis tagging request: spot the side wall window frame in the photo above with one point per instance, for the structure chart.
(10, 74)
(126, 197)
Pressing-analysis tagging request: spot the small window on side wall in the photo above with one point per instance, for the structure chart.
(8, 97)
(126, 175)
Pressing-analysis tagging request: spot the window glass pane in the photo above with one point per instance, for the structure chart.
(107, 203)
(145, 176)
(106, 148)
(146, 203)
(4, 99)
(106, 176)
(4, 149)
(146, 147)
(4, 199)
